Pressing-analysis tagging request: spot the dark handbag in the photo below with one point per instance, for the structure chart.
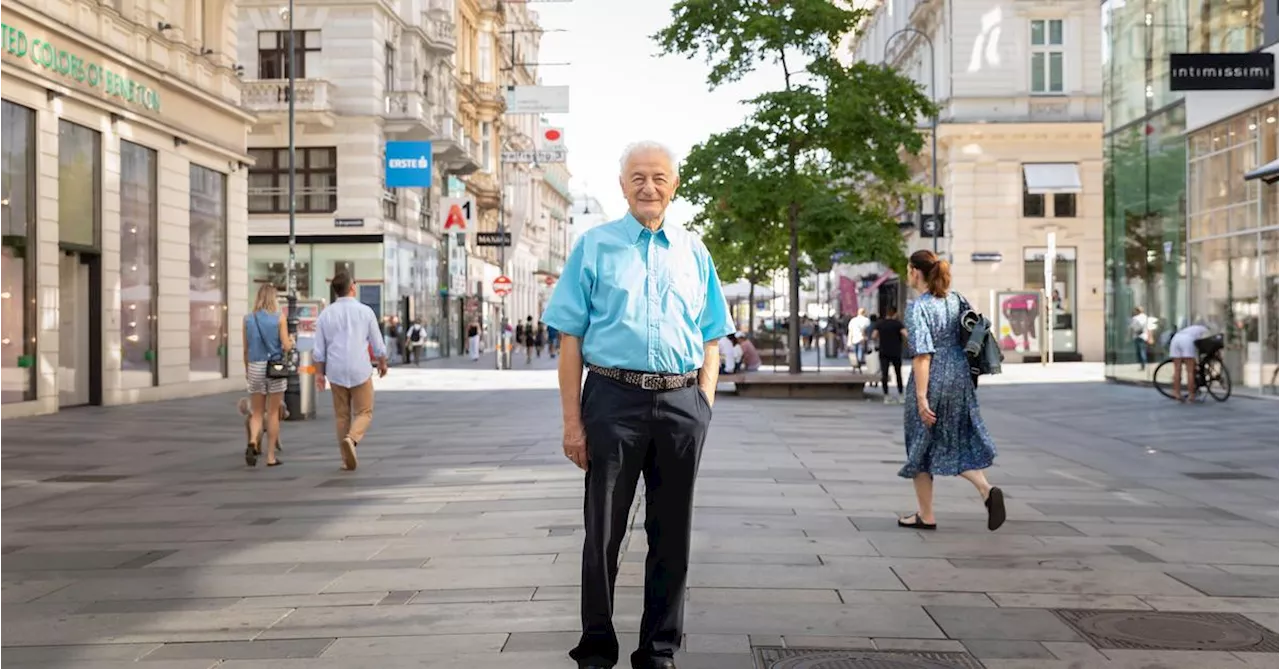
(277, 367)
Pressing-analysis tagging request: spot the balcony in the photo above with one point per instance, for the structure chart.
(491, 97)
(269, 98)
(408, 116)
(488, 193)
(452, 148)
(441, 32)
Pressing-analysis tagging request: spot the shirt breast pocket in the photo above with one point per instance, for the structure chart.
(687, 291)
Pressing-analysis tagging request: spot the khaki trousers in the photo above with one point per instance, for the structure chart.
(349, 402)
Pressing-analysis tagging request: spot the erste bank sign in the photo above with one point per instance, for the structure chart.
(69, 65)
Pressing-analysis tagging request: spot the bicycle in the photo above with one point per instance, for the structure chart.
(1211, 376)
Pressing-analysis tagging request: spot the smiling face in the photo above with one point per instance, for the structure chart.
(648, 181)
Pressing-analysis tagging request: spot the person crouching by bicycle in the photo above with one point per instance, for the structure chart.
(1182, 348)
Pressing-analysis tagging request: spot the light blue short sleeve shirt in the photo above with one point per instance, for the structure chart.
(640, 300)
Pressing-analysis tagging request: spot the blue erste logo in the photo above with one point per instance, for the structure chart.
(408, 164)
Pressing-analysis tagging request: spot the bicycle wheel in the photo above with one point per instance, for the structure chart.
(1162, 379)
(1216, 379)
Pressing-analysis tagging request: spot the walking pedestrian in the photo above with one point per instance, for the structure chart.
(858, 338)
(473, 341)
(416, 339)
(540, 338)
(944, 432)
(638, 303)
(888, 334)
(527, 340)
(345, 332)
(266, 341)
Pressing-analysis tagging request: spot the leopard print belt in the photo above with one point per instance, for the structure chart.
(647, 380)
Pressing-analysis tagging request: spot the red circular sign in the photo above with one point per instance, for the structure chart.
(551, 135)
(502, 286)
(551, 281)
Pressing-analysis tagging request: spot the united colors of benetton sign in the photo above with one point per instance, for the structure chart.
(1222, 71)
(67, 64)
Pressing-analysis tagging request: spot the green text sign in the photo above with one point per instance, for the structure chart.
(45, 55)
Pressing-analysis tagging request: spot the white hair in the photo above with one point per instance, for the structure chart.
(646, 146)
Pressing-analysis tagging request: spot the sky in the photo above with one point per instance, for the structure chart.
(622, 91)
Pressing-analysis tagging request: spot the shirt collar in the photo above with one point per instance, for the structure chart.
(635, 230)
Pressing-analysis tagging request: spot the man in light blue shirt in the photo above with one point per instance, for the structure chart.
(347, 336)
(640, 306)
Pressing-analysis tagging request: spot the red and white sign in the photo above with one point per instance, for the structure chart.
(551, 280)
(552, 139)
(502, 286)
(457, 214)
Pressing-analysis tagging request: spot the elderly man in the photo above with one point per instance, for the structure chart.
(640, 305)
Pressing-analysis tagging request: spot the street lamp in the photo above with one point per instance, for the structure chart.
(293, 392)
(933, 134)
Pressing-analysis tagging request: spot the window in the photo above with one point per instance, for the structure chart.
(138, 284)
(1046, 56)
(315, 183)
(79, 168)
(1064, 205)
(1032, 204)
(208, 277)
(18, 262)
(486, 146)
(390, 72)
(273, 53)
(484, 58)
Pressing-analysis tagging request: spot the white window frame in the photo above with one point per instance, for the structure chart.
(486, 145)
(484, 58)
(1045, 50)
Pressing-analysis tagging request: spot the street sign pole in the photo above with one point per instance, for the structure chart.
(293, 391)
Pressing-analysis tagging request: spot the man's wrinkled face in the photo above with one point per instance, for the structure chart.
(649, 182)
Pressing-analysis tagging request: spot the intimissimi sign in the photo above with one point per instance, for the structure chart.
(41, 54)
(1222, 71)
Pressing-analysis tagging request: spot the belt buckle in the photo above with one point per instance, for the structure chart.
(651, 382)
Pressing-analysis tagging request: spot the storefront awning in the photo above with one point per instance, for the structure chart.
(1268, 173)
(1046, 178)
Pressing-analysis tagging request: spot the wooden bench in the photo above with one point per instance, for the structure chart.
(812, 385)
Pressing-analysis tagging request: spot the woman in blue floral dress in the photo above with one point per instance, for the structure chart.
(945, 435)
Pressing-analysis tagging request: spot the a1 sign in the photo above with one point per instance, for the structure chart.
(502, 286)
(457, 214)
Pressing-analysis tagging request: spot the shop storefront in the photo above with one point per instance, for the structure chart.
(1233, 240)
(393, 276)
(113, 293)
(1188, 237)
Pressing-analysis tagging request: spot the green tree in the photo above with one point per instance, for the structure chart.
(815, 164)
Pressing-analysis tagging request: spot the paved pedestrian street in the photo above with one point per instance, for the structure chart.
(135, 536)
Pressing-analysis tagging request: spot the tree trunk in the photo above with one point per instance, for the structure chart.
(793, 290)
(751, 309)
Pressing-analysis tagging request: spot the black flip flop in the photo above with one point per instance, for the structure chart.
(277, 463)
(918, 524)
(995, 509)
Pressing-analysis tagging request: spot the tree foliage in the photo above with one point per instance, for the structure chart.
(814, 169)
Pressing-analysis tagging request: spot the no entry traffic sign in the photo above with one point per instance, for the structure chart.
(502, 286)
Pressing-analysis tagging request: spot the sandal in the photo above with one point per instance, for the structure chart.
(995, 509)
(251, 455)
(916, 524)
(277, 463)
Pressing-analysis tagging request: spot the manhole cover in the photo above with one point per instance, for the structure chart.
(827, 658)
(1226, 476)
(1170, 630)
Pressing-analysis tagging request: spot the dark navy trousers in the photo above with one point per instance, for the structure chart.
(633, 432)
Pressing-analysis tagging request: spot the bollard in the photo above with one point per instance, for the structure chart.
(306, 388)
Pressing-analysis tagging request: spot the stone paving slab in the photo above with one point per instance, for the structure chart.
(457, 542)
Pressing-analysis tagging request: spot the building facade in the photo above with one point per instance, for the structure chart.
(1191, 221)
(366, 74)
(124, 190)
(1019, 158)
